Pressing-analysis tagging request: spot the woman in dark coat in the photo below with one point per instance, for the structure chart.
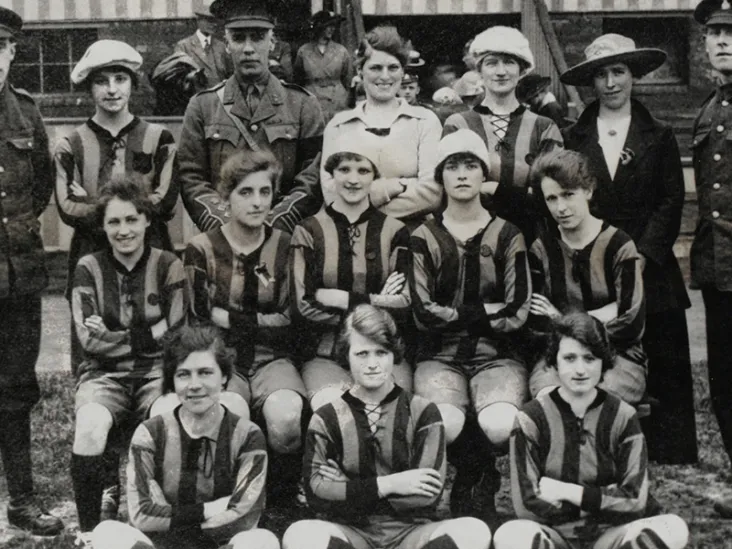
(641, 191)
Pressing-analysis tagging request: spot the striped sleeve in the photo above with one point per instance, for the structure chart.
(629, 494)
(165, 187)
(194, 260)
(147, 507)
(84, 303)
(280, 316)
(176, 292)
(304, 281)
(398, 262)
(247, 499)
(629, 325)
(75, 211)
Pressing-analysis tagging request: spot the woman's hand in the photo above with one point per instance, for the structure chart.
(394, 284)
(332, 472)
(414, 482)
(77, 190)
(220, 317)
(95, 324)
(541, 306)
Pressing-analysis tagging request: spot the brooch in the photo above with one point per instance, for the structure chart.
(263, 274)
(626, 156)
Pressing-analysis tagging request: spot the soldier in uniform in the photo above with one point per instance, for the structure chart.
(25, 189)
(251, 110)
(711, 251)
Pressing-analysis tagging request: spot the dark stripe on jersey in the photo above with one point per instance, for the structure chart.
(224, 261)
(399, 446)
(471, 291)
(401, 242)
(571, 450)
(112, 296)
(374, 265)
(509, 147)
(582, 274)
(557, 273)
(449, 273)
(605, 465)
(627, 285)
(315, 264)
(223, 480)
(616, 241)
(189, 451)
(345, 254)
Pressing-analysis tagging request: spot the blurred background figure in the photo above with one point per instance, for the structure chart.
(280, 58)
(470, 89)
(207, 50)
(175, 80)
(533, 91)
(323, 66)
(411, 89)
(442, 75)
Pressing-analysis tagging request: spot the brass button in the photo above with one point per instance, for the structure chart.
(715, 215)
(3, 194)
(717, 157)
(254, 127)
(5, 219)
(2, 169)
(725, 103)
(720, 128)
(216, 136)
(716, 186)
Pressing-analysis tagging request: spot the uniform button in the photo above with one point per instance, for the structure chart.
(725, 103)
(716, 186)
(216, 136)
(254, 127)
(717, 157)
(720, 128)
(2, 169)
(5, 219)
(3, 194)
(715, 215)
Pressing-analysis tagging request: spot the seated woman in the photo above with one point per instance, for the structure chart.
(240, 281)
(579, 467)
(584, 264)
(375, 457)
(346, 254)
(196, 475)
(123, 301)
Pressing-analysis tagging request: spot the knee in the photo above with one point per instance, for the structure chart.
(112, 534)
(515, 534)
(496, 421)
(235, 403)
(259, 538)
(453, 419)
(307, 534)
(164, 404)
(467, 533)
(93, 422)
(673, 530)
(325, 396)
(283, 413)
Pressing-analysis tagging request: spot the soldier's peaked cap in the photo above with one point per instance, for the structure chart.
(243, 14)
(10, 23)
(714, 12)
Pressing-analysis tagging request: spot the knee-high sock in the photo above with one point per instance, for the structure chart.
(540, 541)
(647, 539)
(470, 453)
(443, 542)
(111, 467)
(15, 446)
(87, 475)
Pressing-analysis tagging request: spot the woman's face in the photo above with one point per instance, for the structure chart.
(462, 178)
(353, 180)
(613, 85)
(579, 370)
(371, 364)
(500, 74)
(251, 200)
(569, 207)
(382, 76)
(125, 227)
(198, 382)
(111, 90)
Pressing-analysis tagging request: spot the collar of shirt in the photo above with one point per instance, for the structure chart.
(340, 218)
(358, 403)
(203, 38)
(359, 112)
(482, 109)
(724, 93)
(104, 133)
(138, 266)
(260, 84)
(566, 407)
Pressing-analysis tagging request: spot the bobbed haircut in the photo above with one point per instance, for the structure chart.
(335, 159)
(568, 168)
(129, 187)
(383, 38)
(179, 344)
(89, 80)
(458, 157)
(244, 163)
(374, 324)
(585, 329)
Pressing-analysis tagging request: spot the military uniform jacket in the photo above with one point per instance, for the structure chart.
(288, 121)
(26, 185)
(711, 251)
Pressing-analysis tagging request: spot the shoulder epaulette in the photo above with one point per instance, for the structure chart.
(23, 93)
(213, 89)
(298, 87)
(708, 98)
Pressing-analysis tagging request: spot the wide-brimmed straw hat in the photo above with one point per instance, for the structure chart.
(325, 18)
(530, 86)
(613, 48)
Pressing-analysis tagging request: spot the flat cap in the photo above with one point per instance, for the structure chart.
(10, 23)
(106, 53)
(243, 14)
(713, 12)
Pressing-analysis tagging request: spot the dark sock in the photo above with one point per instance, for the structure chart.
(443, 542)
(283, 476)
(111, 467)
(338, 543)
(540, 541)
(647, 539)
(15, 446)
(87, 475)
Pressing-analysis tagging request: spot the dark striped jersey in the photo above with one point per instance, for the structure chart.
(408, 434)
(330, 252)
(171, 475)
(608, 270)
(451, 281)
(604, 452)
(130, 302)
(252, 288)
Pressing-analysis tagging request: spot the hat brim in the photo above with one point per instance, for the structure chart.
(534, 90)
(6, 32)
(252, 23)
(640, 61)
(335, 20)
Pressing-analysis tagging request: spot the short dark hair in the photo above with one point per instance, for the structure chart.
(458, 157)
(587, 330)
(568, 168)
(335, 159)
(373, 323)
(244, 163)
(179, 344)
(89, 80)
(129, 187)
(383, 38)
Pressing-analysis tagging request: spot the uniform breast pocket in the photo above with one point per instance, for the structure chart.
(18, 160)
(285, 132)
(221, 141)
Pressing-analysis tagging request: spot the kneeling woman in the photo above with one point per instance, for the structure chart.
(196, 475)
(579, 467)
(584, 264)
(375, 457)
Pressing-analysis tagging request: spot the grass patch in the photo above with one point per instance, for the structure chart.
(688, 491)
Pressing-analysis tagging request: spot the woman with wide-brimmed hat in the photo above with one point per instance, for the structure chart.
(323, 66)
(640, 190)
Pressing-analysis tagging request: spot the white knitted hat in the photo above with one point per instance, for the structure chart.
(360, 142)
(505, 40)
(462, 141)
(106, 53)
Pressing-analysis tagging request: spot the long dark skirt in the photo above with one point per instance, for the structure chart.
(671, 428)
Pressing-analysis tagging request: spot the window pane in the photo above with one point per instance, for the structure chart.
(80, 41)
(55, 47)
(26, 77)
(28, 48)
(56, 78)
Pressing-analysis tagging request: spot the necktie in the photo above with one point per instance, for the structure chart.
(207, 46)
(253, 99)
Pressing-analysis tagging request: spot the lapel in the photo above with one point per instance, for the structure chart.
(272, 97)
(586, 133)
(197, 51)
(637, 143)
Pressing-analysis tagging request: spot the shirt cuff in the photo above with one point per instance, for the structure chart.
(591, 499)
(364, 492)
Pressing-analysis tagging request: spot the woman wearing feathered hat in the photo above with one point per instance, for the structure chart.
(514, 135)
(640, 190)
(323, 66)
